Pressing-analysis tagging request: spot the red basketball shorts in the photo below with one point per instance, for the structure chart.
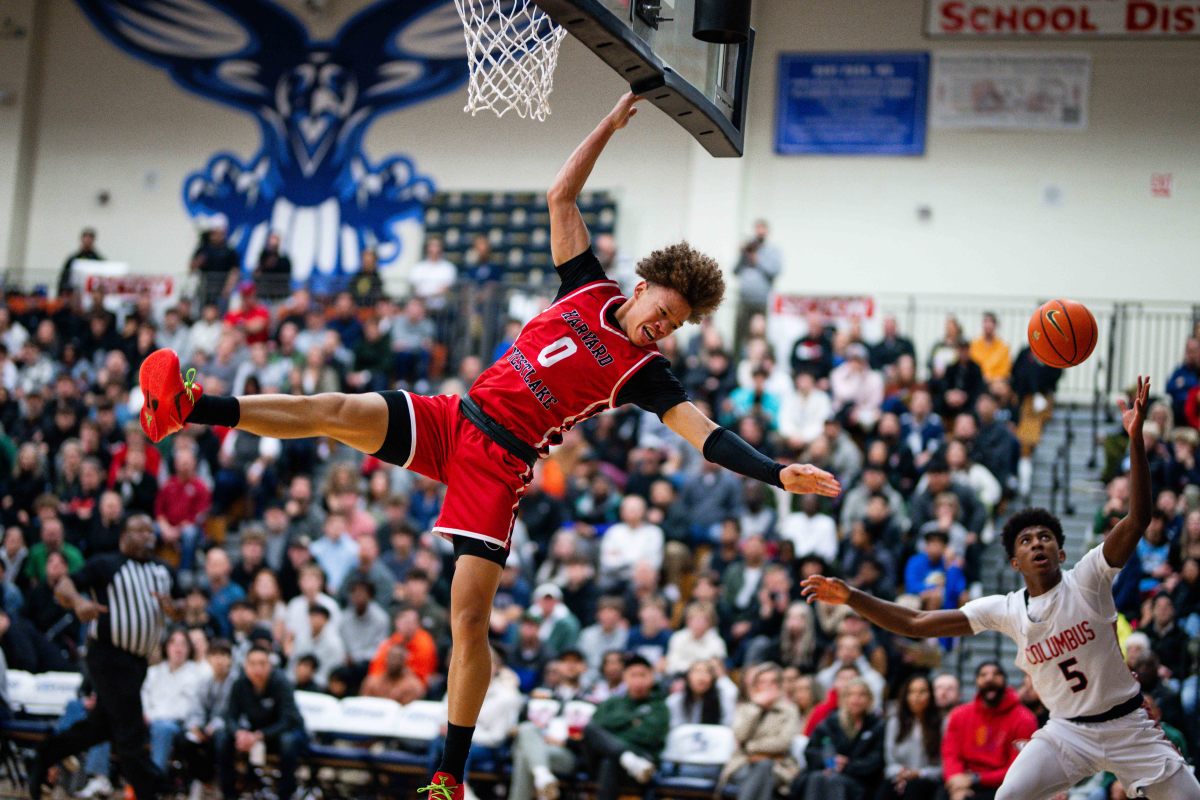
(484, 482)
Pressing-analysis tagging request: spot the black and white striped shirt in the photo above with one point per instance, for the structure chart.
(134, 621)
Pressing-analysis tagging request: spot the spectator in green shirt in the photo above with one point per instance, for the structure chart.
(627, 732)
(52, 541)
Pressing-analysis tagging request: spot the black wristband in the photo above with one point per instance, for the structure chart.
(734, 453)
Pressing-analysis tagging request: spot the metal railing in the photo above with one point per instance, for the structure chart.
(1060, 471)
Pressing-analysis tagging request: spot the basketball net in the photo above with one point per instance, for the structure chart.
(512, 49)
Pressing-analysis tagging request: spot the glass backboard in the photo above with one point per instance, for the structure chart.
(702, 86)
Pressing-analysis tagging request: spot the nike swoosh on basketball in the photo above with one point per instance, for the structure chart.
(1050, 316)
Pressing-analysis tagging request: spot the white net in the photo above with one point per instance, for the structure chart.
(512, 49)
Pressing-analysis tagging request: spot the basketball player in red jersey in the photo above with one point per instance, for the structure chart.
(591, 350)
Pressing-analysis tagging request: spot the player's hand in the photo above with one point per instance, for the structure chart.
(1132, 418)
(827, 590)
(624, 110)
(807, 479)
(89, 610)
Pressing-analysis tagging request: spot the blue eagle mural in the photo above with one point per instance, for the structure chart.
(313, 101)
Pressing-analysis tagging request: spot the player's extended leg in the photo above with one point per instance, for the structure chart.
(1182, 785)
(471, 593)
(357, 420)
(1037, 774)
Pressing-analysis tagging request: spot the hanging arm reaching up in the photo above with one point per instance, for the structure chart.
(568, 233)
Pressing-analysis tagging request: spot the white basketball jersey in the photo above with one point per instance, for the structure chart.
(1072, 653)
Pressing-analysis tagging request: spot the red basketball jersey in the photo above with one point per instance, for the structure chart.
(567, 364)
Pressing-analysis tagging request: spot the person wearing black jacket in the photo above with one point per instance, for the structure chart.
(958, 387)
(261, 710)
(26, 648)
(845, 752)
(87, 252)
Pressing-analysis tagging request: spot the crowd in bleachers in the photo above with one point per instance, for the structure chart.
(646, 586)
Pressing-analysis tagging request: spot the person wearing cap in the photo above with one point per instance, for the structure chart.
(933, 576)
(261, 712)
(857, 390)
(251, 317)
(627, 732)
(559, 627)
(86, 252)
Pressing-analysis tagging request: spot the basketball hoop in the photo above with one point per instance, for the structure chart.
(512, 49)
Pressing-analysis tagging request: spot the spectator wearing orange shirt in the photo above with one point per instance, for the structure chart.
(422, 653)
(991, 352)
(396, 682)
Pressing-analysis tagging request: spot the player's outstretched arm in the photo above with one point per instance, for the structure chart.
(891, 616)
(1120, 543)
(723, 446)
(568, 233)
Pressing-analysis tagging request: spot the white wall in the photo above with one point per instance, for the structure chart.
(105, 121)
(16, 124)
(850, 224)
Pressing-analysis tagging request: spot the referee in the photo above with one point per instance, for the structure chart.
(124, 597)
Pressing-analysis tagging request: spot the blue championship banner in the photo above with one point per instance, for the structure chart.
(852, 103)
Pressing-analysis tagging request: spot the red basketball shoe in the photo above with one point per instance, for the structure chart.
(443, 787)
(167, 396)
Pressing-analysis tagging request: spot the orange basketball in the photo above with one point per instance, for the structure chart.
(1063, 333)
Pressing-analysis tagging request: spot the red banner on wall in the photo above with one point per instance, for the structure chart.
(1063, 18)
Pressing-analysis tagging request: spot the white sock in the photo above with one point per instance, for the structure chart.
(1024, 476)
(543, 777)
(641, 769)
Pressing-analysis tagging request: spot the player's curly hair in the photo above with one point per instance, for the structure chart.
(688, 271)
(1030, 518)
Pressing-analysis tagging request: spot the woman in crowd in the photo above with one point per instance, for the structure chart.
(806, 696)
(797, 642)
(699, 702)
(845, 752)
(764, 727)
(913, 745)
(267, 600)
(170, 694)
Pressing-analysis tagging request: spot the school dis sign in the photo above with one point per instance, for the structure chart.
(1020, 19)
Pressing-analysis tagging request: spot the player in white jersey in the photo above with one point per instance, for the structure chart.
(1064, 624)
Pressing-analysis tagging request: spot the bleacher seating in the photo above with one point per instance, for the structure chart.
(516, 224)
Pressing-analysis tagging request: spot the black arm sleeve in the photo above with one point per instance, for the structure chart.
(579, 271)
(734, 453)
(653, 388)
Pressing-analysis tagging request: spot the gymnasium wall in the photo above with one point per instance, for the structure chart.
(99, 120)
